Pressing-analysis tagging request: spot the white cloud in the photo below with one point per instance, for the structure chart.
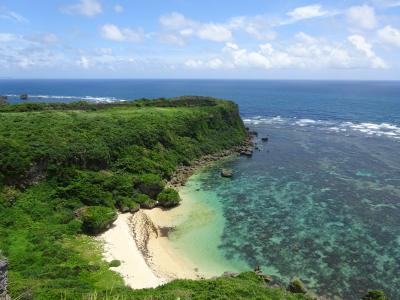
(118, 8)
(176, 21)
(44, 38)
(171, 38)
(114, 33)
(84, 62)
(390, 35)
(386, 3)
(13, 16)
(179, 27)
(307, 52)
(193, 63)
(215, 63)
(259, 27)
(88, 8)
(307, 12)
(362, 16)
(362, 45)
(214, 32)
(7, 37)
(305, 38)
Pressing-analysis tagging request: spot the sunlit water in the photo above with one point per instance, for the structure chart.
(313, 203)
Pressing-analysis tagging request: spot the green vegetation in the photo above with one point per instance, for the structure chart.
(169, 198)
(375, 295)
(150, 184)
(245, 286)
(66, 168)
(96, 219)
(114, 263)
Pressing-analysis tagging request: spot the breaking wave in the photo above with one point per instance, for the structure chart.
(68, 98)
(367, 128)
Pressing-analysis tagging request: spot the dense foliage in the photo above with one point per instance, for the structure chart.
(66, 168)
(169, 198)
(96, 219)
(245, 286)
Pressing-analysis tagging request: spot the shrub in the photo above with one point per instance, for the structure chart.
(145, 201)
(96, 219)
(375, 295)
(126, 204)
(169, 198)
(114, 263)
(150, 184)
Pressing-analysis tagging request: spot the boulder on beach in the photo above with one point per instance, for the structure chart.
(226, 172)
(265, 139)
(23, 96)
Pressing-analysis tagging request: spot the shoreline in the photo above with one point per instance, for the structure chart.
(182, 173)
(140, 240)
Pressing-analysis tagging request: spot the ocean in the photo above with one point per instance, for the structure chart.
(319, 201)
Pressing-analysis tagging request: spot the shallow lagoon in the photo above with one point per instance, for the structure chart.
(320, 204)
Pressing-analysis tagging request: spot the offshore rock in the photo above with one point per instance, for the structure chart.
(226, 172)
(247, 153)
(23, 96)
(296, 286)
(253, 133)
(3, 100)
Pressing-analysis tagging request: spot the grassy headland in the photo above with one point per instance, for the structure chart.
(65, 170)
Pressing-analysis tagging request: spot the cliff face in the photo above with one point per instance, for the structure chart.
(104, 137)
(3, 279)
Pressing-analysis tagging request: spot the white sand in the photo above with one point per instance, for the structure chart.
(148, 259)
(120, 244)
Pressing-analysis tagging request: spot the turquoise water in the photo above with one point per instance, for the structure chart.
(316, 204)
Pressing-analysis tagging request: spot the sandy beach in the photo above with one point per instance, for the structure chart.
(140, 242)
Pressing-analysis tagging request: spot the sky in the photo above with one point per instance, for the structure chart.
(252, 39)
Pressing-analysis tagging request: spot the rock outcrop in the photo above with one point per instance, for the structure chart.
(3, 100)
(3, 279)
(182, 173)
(23, 96)
(226, 172)
(297, 286)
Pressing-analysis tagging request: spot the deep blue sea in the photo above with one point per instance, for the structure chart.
(320, 200)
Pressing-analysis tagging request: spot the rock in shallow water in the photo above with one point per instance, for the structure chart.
(296, 286)
(226, 172)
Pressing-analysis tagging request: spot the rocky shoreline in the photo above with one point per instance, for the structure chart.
(182, 173)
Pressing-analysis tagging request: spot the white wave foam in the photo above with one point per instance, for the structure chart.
(367, 128)
(305, 122)
(72, 98)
